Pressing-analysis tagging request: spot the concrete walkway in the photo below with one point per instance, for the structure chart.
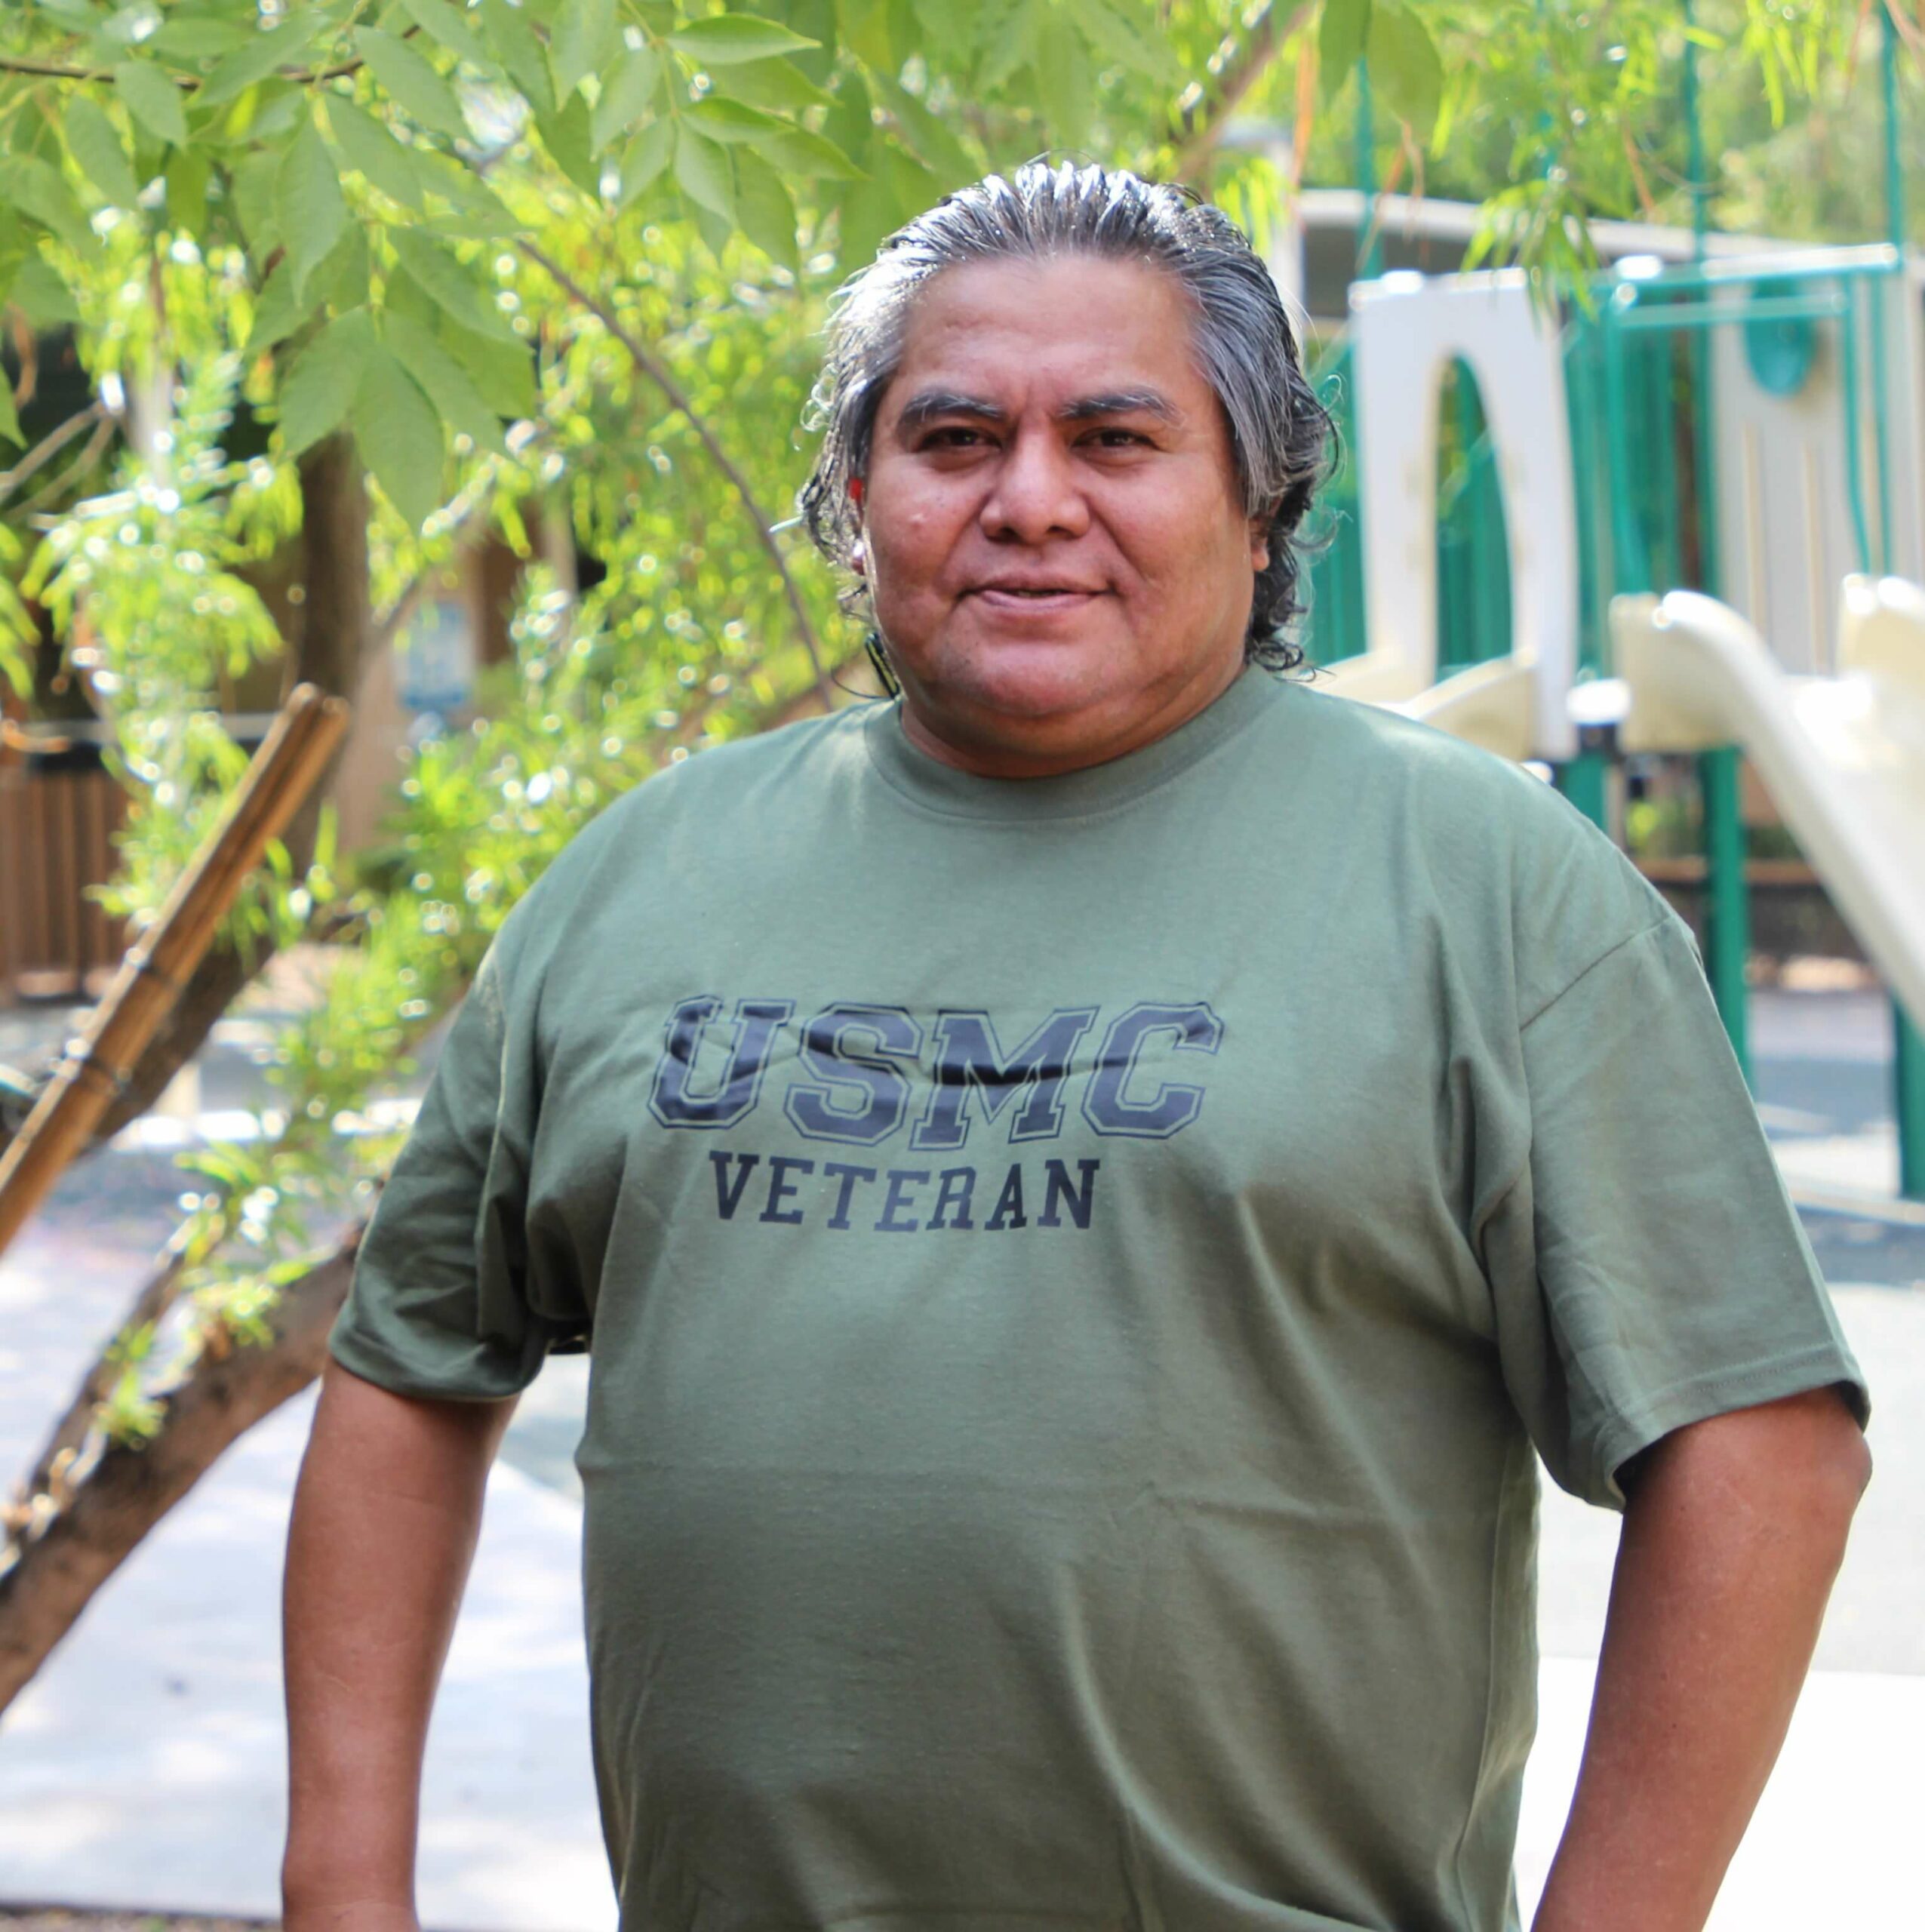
(144, 1768)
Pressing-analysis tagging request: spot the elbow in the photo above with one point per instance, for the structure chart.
(1837, 1466)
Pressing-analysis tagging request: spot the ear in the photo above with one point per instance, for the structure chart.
(1259, 543)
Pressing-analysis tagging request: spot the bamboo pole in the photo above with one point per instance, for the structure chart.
(284, 770)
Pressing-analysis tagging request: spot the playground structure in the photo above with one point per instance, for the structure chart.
(1681, 511)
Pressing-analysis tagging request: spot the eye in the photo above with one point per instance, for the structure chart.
(1112, 438)
(952, 436)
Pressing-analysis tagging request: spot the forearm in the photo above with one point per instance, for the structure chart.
(385, 1516)
(1734, 1532)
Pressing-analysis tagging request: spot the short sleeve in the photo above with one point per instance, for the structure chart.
(1648, 1267)
(440, 1302)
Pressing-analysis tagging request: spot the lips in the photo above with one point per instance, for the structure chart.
(1028, 605)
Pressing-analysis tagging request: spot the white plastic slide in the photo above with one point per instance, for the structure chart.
(1843, 757)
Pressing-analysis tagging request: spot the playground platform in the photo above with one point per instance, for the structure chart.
(143, 1770)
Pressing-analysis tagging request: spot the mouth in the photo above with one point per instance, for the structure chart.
(1035, 596)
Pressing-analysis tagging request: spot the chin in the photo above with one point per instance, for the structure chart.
(1032, 682)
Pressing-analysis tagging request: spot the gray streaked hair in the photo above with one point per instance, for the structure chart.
(1280, 433)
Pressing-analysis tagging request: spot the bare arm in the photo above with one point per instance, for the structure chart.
(385, 1516)
(1735, 1530)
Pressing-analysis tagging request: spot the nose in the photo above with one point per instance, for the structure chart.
(1034, 495)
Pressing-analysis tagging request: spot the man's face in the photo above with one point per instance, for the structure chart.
(1053, 529)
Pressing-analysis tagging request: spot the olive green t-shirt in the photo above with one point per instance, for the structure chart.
(1075, 1271)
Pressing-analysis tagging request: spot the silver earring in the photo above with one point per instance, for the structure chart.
(856, 559)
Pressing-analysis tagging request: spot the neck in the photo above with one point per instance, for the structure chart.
(996, 746)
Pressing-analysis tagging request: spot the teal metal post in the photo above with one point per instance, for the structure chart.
(1584, 780)
(1727, 897)
(1727, 893)
(1908, 1100)
(1910, 1062)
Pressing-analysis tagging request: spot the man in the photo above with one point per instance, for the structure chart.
(1083, 1185)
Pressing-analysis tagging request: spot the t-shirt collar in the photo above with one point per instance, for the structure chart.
(1096, 788)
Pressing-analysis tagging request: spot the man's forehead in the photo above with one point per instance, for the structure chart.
(1017, 335)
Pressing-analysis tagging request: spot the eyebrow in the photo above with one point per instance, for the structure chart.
(1122, 402)
(928, 405)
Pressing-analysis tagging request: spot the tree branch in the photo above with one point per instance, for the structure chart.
(1200, 125)
(51, 1565)
(12, 63)
(658, 373)
(96, 443)
(48, 448)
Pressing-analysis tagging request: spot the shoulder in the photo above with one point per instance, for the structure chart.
(1492, 843)
(731, 781)
(810, 750)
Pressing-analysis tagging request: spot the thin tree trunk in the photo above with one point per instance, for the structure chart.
(68, 1437)
(332, 649)
(111, 1506)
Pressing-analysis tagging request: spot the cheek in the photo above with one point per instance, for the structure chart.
(910, 544)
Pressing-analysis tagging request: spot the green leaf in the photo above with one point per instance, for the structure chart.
(448, 385)
(254, 199)
(153, 100)
(402, 295)
(729, 121)
(410, 82)
(863, 28)
(567, 139)
(864, 214)
(914, 186)
(274, 109)
(702, 172)
(808, 157)
(455, 288)
(372, 151)
(520, 53)
(195, 41)
(310, 208)
(277, 47)
(438, 18)
(94, 143)
(1064, 83)
(850, 123)
(716, 233)
(1406, 70)
(1011, 46)
(777, 84)
(187, 172)
(1113, 33)
(343, 277)
(280, 312)
(504, 372)
(10, 423)
(41, 296)
(725, 38)
(400, 434)
(482, 212)
(624, 98)
(767, 213)
(645, 157)
(920, 129)
(35, 189)
(583, 43)
(319, 387)
(1340, 37)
